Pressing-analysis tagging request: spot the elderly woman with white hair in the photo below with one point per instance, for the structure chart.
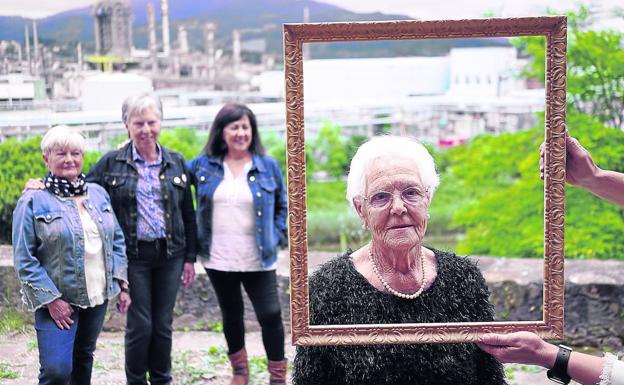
(394, 279)
(70, 258)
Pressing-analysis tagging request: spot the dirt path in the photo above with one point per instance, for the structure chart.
(198, 358)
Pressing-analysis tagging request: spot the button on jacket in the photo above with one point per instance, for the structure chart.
(48, 247)
(117, 173)
(269, 199)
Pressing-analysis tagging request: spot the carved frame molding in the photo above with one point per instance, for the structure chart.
(554, 29)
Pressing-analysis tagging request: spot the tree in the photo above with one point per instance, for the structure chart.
(595, 60)
(330, 151)
(491, 189)
(184, 140)
(276, 148)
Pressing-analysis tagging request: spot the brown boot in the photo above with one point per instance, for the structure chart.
(278, 372)
(240, 368)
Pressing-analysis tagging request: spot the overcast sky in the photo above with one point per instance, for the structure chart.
(421, 9)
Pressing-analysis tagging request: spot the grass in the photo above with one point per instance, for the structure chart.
(511, 371)
(12, 320)
(197, 367)
(192, 368)
(188, 372)
(216, 327)
(32, 344)
(510, 375)
(258, 374)
(6, 373)
(203, 325)
(326, 195)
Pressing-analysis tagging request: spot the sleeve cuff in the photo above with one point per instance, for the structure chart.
(35, 298)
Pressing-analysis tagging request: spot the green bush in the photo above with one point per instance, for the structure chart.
(491, 190)
(184, 140)
(21, 160)
(275, 146)
(332, 224)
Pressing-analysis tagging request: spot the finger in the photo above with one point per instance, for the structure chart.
(493, 339)
(500, 353)
(486, 348)
(573, 145)
(187, 277)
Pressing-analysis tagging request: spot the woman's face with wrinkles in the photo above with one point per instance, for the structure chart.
(396, 203)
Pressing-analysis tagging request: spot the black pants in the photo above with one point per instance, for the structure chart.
(261, 287)
(154, 282)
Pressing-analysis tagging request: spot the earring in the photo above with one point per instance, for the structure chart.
(428, 216)
(364, 226)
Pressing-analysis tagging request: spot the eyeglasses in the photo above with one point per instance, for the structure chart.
(410, 195)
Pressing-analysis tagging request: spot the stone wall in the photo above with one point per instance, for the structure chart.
(594, 297)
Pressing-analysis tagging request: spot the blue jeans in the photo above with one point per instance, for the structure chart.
(66, 356)
(154, 282)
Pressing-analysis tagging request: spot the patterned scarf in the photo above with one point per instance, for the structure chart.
(64, 188)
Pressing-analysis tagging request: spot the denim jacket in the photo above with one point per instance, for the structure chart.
(269, 200)
(48, 247)
(117, 173)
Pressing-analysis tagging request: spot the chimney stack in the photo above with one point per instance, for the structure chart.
(164, 14)
(35, 49)
(236, 49)
(79, 54)
(27, 47)
(183, 46)
(151, 27)
(209, 49)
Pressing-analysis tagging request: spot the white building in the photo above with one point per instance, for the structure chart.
(18, 87)
(107, 91)
(444, 100)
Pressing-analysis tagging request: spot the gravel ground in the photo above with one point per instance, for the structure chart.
(199, 358)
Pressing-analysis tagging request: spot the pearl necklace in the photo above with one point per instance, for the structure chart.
(387, 285)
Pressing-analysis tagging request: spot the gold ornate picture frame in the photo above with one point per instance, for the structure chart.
(553, 28)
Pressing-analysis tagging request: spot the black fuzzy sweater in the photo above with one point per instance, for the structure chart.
(341, 295)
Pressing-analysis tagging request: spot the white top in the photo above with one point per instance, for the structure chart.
(233, 246)
(95, 271)
(612, 371)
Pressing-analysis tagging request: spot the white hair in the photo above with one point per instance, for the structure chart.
(140, 103)
(61, 137)
(381, 147)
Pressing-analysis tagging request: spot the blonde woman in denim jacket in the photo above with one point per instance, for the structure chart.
(70, 258)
